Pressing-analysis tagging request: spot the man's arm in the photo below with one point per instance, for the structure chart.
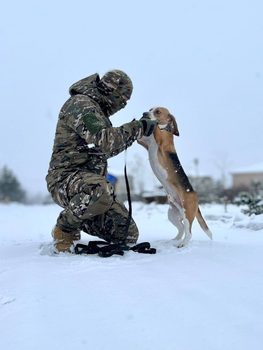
(99, 135)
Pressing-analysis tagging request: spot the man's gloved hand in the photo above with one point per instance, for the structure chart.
(148, 125)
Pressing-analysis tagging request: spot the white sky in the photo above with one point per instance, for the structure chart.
(201, 59)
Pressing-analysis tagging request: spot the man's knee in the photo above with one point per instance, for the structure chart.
(92, 201)
(102, 198)
(116, 224)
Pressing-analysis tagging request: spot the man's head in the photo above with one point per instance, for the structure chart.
(117, 87)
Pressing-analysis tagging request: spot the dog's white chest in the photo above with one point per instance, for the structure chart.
(158, 170)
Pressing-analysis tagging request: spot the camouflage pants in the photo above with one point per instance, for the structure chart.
(90, 205)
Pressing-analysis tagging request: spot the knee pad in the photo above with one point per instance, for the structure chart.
(102, 200)
(97, 201)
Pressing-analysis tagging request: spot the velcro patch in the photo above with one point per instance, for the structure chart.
(92, 123)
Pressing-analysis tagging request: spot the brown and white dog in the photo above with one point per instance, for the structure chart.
(183, 201)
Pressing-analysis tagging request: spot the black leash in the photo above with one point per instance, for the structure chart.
(128, 196)
(105, 249)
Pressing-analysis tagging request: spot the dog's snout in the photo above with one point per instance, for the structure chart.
(145, 114)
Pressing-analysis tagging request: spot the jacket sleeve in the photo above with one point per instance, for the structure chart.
(100, 135)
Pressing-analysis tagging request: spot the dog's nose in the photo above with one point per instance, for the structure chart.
(145, 114)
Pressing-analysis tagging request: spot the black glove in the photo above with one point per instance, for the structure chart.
(148, 125)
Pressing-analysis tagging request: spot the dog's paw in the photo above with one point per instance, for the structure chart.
(181, 245)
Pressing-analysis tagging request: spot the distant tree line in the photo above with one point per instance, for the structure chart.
(251, 199)
(10, 187)
(208, 191)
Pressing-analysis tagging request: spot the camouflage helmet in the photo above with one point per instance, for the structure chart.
(117, 87)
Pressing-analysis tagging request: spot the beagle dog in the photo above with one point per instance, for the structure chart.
(183, 201)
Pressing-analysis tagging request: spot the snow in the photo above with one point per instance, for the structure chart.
(206, 296)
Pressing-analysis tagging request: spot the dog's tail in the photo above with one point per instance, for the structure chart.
(203, 224)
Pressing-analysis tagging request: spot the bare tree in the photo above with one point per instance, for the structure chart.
(223, 164)
(196, 172)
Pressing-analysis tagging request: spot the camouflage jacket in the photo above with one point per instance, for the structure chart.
(85, 137)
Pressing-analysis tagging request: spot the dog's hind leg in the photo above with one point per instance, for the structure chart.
(175, 217)
(190, 204)
(188, 234)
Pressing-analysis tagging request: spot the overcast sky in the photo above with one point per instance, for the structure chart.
(201, 59)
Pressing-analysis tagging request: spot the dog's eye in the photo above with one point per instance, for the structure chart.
(157, 112)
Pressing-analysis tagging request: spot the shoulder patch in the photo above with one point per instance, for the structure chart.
(92, 123)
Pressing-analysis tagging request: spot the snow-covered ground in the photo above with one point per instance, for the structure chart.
(206, 296)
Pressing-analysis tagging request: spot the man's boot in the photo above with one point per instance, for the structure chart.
(63, 241)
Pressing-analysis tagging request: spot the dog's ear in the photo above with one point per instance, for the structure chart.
(174, 126)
